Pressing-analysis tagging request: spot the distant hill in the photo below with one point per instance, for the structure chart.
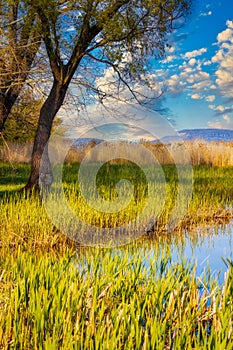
(185, 134)
(85, 141)
(207, 134)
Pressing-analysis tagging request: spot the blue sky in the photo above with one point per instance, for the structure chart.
(199, 68)
(196, 78)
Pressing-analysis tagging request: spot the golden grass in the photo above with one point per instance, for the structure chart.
(201, 152)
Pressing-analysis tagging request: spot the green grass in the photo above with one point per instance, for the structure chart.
(25, 221)
(99, 299)
(55, 295)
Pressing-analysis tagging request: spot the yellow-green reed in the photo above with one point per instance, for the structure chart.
(24, 220)
(54, 297)
(104, 299)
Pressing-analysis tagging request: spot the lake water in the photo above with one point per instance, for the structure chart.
(206, 248)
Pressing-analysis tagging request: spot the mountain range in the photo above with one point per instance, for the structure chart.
(207, 134)
(185, 134)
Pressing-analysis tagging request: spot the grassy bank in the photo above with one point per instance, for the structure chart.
(24, 220)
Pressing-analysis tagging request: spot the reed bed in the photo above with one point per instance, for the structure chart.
(102, 299)
(14, 152)
(201, 152)
(24, 220)
(55, 294)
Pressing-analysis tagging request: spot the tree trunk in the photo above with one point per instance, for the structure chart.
(7, 101)
(41, 175)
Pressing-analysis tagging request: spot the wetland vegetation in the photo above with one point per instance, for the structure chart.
(56, 294)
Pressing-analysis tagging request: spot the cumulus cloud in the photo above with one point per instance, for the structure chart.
(222, 62)
(207, 63)
(169, 58)
(210, 98)
(227, 118)
(191, 76)
(219, 108)
(225, 35)
(213, 87)
(113, 89)
(207, 78)
(194, 53)
(196, 96)
(229, 23)
(226, 122)
(216, 124)
(170, 49)
(218, 57)
(175, 85)
(192, 73)
(192, 61)
(169, 54)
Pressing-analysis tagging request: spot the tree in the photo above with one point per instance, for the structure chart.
(20, 40)
(119, 33)
(21, 124)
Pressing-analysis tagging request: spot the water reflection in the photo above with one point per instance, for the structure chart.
(205, 247)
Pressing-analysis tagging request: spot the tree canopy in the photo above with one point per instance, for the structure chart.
(22, 122)
(121, 34)
(80, 36)
(20, 40)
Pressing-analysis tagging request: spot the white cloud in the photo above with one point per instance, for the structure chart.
(194, 53)
(196, 96)
(219, 108)
(212, 107)
(71, 29)
(224, 123)
(170, 49)
(225, 81)
(210, 98)
(169, 58)
(192, 71)
(227, 62)
(109, 84)
(169, 54)
(192, 61)
(206, 13)
(226, 45)
(175, 85)
(192, 77)
(215, 125)
(229, 24)
(223, 58)
(207, 63)
(225, 35)
(218, 57)
(227, 118)
(203, 85)
(199, 86)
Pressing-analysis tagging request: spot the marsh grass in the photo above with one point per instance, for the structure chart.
(24, 220)
(101, 299)
(212, 192)
(55, 295)
(201, 152)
